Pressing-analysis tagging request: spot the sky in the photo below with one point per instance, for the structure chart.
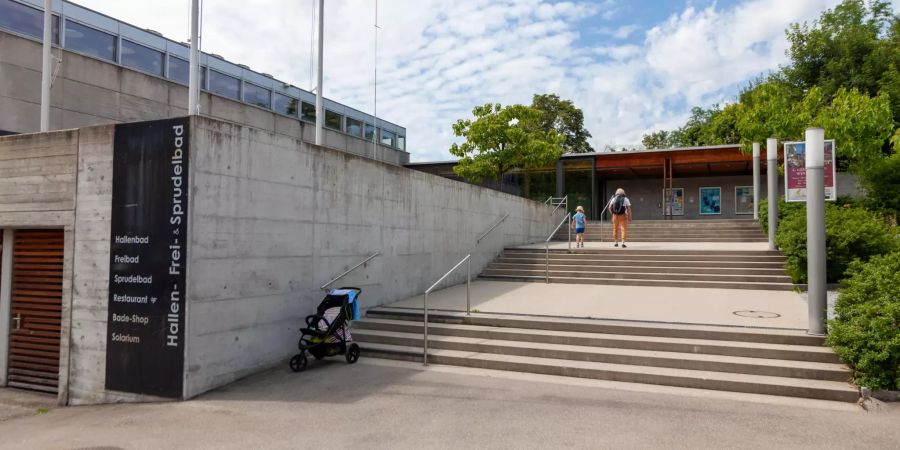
(632, 66)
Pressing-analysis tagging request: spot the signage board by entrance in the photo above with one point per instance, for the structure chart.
(795, 171)
(145, 329)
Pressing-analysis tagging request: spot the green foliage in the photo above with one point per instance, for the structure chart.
(852, 46)
(881, 180)
(501, 139)
(850, 233)
(656, 139)
(866, 330)
(564, 117)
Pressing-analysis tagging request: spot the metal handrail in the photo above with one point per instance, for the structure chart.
(562, 201)
(547, 242)
(349, 270)
(491, 228)
(602, 212)
(467, 260)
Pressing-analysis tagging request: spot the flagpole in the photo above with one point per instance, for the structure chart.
(320, 107)
(194, 74)
(46, 66)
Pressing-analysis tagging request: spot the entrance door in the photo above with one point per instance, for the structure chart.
(36, 309)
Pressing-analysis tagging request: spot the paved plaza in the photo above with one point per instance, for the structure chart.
(658, 304)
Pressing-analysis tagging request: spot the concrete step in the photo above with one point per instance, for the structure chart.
(591, 272)
(637, 267)
(637, 251)
(735, 382)
(675, 360)
(768, 286)
(628, 255)
(810, 353)
(641, 262)
(599, 326)
(666, 239)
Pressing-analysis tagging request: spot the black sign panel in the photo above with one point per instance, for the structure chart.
(145, 332)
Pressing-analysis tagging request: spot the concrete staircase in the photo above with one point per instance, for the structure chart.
(670, 268)
(761, 361)
(714, 230)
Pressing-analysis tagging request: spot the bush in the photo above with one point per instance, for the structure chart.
(784, 210)
(866, 330)
(850, 233)
(881, 180)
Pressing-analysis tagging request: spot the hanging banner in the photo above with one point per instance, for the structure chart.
(145, 328)
(795, 171)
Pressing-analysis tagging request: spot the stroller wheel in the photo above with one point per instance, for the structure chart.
(352, 353)
(298, 362)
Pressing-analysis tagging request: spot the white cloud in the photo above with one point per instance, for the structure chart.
(438, 59)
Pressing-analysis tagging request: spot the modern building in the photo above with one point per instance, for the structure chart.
(107, 71)
(710, 182)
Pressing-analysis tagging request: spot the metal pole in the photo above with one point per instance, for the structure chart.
(425, 327)
(194, 71)
(756, 181)
(548, 261)
(569, 229)
(772, 174)
(468, 286)
(320, 112)
(815, 228)
(46, 66)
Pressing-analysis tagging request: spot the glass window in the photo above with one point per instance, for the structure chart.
(387, 138)
(370, 132)
(224, 85)
(308, 112)
(258, 96)
(284, 104)
(142, 58)
(354, 127)
(180, 71)
(334, 120)
(401, 142)
(90, 41)
(26, 20)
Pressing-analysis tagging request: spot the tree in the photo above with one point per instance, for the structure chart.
(564, 117)
(656, 139)
(501, 139)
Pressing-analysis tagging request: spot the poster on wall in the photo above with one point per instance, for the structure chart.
(795, 171)
(743, 200)
(710, 200)
(675, 202)
(145, 328)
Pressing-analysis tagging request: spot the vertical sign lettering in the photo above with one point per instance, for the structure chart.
(145, 332)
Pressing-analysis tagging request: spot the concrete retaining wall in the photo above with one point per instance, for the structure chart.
(273, 218)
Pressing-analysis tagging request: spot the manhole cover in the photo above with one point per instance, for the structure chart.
(757, 314)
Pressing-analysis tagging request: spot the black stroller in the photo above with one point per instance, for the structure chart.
(327, 332)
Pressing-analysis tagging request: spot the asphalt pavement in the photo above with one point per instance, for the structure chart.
(382, 404)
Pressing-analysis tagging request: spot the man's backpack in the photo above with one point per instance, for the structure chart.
(618, 206)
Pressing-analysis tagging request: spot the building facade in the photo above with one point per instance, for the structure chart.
(710, 182)
(108, 71)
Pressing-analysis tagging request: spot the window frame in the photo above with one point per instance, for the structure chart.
(239, 97)
(339, 116)
(162, 62)
(115, 39)
(244, 91)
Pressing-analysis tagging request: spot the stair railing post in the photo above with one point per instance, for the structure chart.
(468, 286)
(547, 243)
(425, 334)
(569, 229)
